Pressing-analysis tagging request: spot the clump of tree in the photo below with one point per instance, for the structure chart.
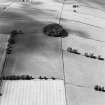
(99, 88)
(75, 51)
(46, 78)
(55, 30)
(91, 55)
(15, 32)
(16, 77)
(12, 40)
(100, 58)
(86, 54)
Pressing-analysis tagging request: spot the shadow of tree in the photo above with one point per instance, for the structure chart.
(76, 31)
(33, 39)
(32, 29)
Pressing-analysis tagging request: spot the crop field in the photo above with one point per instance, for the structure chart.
(33, 92)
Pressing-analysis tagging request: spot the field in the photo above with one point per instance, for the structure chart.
(37, 54)
(40, 92)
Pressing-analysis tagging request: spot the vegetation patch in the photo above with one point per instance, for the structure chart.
(55, 30)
